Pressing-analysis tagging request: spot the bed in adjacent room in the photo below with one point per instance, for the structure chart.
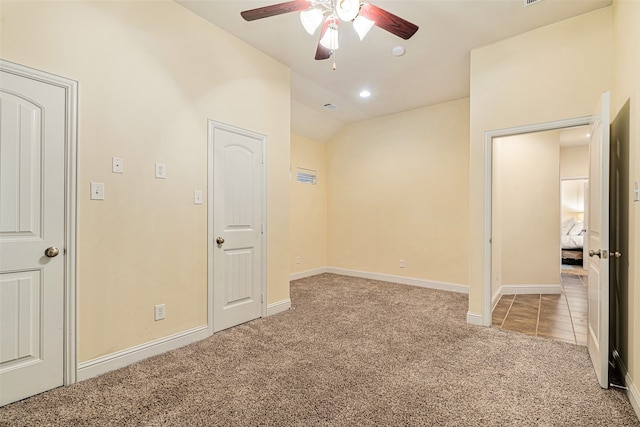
(572, 241)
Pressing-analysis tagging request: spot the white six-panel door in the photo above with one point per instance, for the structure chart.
(32, 219)
(237, 202)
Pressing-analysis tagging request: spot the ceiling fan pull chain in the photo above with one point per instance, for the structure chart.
(333, 53)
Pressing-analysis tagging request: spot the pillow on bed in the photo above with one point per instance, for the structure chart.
(576, 230)
(566, 226)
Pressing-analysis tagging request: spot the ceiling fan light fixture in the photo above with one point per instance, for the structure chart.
(311, 19)
(362, 26)
(347, 10)
(330, 38)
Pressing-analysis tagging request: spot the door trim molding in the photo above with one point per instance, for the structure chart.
(486, 210)
(70, 88)
(211, 126)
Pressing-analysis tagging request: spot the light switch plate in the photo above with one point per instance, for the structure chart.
(636, 191)
(97, 191)
(161, 170)
(117, 165)
(197, 197)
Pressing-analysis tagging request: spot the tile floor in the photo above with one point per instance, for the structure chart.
(561, 317)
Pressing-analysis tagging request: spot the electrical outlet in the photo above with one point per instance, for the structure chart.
(197, 197)
(401, 263)
(161, 170)
(117, 165)
(97, 191)
(160, 312)
(298, 259)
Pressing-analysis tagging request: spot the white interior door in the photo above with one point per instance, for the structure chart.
(32, 193)
(585, 245)
(598, 236)
(237, 236)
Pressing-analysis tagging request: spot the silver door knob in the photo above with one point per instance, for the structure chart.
(595, 253)
(52, 251)
(219, 240)
(616, 254)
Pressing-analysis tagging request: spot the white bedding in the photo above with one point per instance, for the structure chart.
(571, 242)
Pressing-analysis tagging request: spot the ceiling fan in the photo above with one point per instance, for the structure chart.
(331, 14)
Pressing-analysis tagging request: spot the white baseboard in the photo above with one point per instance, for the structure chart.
(278, 307)
(307, 273)
(632, 394)
(529, 289)
(475, 319)
(632, 390)
(120, 359)
(444, 286)
(495, 298)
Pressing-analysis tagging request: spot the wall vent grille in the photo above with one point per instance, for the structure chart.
(306, 176)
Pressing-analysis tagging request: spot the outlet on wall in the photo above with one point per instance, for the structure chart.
(298, 259)
(197, 197)
(161, 170)
(117, 165)
(401, 263)
(97, 191)
(160, 312)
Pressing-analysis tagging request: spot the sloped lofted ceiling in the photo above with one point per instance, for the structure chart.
(434, 69)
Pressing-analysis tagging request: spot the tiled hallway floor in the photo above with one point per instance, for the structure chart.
(561, 317)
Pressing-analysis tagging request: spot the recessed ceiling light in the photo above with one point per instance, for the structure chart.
(398, 51)
(588, 135)
(365, 93)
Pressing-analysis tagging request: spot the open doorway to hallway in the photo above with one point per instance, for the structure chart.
(539, 286)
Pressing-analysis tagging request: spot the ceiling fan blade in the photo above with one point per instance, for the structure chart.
(275, 9)
(323, 52)
(388, 21)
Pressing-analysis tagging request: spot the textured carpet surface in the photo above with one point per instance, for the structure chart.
(350, 352)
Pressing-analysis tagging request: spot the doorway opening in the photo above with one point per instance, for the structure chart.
(538, 221)
(487, 302)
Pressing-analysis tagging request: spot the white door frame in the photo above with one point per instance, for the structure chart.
(212, 125)
(70, 244)
(486, 211)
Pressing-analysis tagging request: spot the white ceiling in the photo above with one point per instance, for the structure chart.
(434, 69)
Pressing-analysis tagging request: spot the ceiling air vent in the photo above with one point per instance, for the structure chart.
(330, 106)
(530, 2)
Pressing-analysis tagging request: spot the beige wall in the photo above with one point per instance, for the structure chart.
(150, 75)
(626, 88)
(526, 209)
(574, 162)
(308, 227)
(531, 78)
(398, 189)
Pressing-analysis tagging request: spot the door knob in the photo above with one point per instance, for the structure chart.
(51, 251)
(595, 253)
(219, 240)
(616, 254)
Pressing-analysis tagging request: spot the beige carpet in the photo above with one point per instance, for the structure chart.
(351, 352)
